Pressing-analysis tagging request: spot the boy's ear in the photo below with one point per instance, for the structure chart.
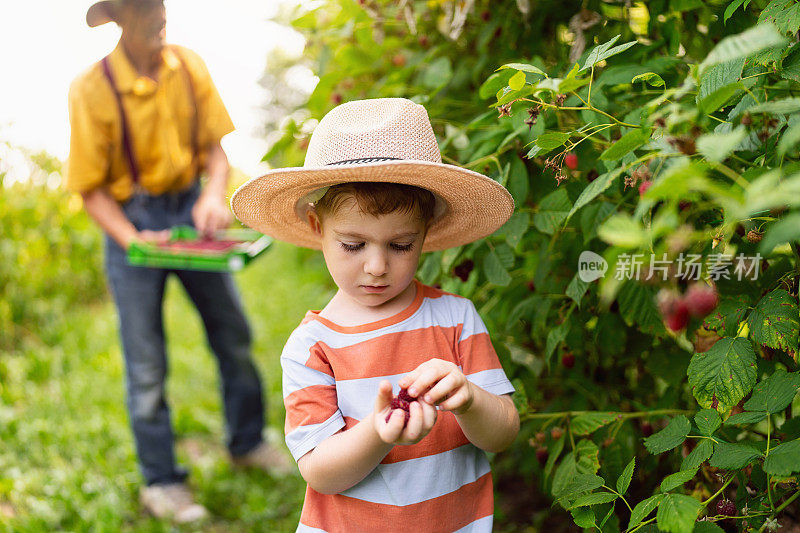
(314, 221)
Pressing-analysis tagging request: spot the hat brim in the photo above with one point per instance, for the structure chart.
(101, 13)
(476, 205)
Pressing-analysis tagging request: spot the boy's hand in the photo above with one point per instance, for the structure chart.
(421, 420)
(440, 383)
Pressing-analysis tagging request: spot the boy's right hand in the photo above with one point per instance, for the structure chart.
(421, 420)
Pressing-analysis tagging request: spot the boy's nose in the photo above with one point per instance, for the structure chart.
(376, 264)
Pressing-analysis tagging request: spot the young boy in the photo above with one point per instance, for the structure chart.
(373, 195)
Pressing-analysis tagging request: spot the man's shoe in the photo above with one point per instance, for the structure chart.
(173, 502)
(265, 457)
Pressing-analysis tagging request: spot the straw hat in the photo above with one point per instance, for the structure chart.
(106, 11)
(379, 140)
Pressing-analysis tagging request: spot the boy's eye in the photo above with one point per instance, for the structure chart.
(352, 247)
(402, 247)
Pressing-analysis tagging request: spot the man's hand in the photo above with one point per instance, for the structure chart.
(440, 383)
(211, 213)
(153, 237)
(421, 421)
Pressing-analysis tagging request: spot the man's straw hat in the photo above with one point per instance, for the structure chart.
(379, 140)
(101, 12)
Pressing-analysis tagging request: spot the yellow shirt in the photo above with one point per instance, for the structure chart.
(160, 119)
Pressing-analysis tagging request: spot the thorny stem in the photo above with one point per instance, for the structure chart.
(643, 524)
(620, 416)
(714, 496)
(621, 496)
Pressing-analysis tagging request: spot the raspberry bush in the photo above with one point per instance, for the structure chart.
(656, 391)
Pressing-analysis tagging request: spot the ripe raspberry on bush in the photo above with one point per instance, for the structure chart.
(673, 309)
(701, 299)
(726, 507)
(644, 186)
(542, 454)
(571, 160)
(463, 269)
(568, 359)
(401, 401)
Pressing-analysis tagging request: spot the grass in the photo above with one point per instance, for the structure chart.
(67, 461)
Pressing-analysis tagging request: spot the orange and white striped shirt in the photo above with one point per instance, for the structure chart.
(330, 380)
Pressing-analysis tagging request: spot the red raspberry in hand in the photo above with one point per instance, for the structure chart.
(401, 401)
(571, 160)
(701, 299)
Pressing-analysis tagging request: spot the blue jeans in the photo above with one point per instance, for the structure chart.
(138, 293)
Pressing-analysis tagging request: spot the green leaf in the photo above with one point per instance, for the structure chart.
(593, 499)
(624, 480)
(431, 268)
(753, 40)
(774, 393)
(725, 373)
(774, 322)
(748, 417)
(644, 508)
(591, 191)
(707, 421)
(495, 272)
(515, 228)
(637, 306)
(718, 76)
(583, 517)
(719, 98)
(551, 140)
(718, 146)
(707, 527)
(668, 438)
(733, 456)
(698, 455)
(651, 78)
(517, 81)
(677, 479)
(626, 144)
(588, 423)
(553, 209)
(494, 83)
(604, 51)
(437, 73)
(524, 67)
(729, 312)
(677, 513)
(577, 485)
(785, 106)
(576, 289)
(783, 460)
(790, 137)
(555, 337)
(787, 229)
(729, 11)
(621, 230)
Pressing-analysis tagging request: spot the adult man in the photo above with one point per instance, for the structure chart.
(144, 122)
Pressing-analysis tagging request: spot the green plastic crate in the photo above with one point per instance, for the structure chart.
(229, 251)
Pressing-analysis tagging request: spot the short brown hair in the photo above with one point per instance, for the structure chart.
(379, 198)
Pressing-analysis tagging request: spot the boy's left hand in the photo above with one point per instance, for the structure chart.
(440, 383)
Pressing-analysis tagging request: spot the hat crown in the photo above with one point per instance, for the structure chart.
(380, 128)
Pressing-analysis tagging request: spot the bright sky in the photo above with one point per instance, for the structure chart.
(46, 43)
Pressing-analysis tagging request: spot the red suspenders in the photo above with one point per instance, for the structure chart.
(127, 144)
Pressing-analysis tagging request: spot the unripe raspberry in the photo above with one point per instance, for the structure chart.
(726, 507)
(540, 436)
(754, 236)
(571, 160)
(556, 433)
(701, 299)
